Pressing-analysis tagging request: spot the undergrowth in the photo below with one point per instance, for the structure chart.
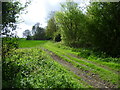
(32, 68)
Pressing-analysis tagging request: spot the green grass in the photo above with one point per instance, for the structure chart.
(102, 72)
(33, 68)
(30, 43)
(112, 63)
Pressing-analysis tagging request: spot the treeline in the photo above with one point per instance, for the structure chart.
(37, 33)
(98, 28)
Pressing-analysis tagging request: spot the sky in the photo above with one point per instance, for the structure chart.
(38, 11)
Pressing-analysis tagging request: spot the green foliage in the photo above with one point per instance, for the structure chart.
(10, 13)
(71, 21)
(91, 54)
(104, 28)
(51, 28)
(8, 44)
(98, 27)
(39, 35)
(29, 38)
(32, 68)
(38, 32)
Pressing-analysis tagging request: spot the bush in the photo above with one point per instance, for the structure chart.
(8, 43)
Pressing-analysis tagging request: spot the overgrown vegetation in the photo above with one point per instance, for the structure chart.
(89, 41)
(21, 66)
(8, 44)
(104, 28)
(97, 28)
(32, 68)
(71, 21)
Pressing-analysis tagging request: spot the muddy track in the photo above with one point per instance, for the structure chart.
(88, 61)
(92, 80)
(91, 62)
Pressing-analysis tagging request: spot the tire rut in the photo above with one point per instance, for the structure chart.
(91, 62)
(91, 80)
(103, 66)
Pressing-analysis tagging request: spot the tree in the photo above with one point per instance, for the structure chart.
(71, 23)
(38, 32)
(51, 28)
(26, 33)
(104, 26)
(10, 13)
(34, 28)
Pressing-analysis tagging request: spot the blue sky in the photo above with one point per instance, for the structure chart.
(38, 11)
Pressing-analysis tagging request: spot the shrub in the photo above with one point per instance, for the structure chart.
(8, 43)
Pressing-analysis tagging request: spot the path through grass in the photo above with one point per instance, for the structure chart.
(52, 65)
(106, 75)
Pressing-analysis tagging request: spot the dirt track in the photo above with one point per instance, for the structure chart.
(92, 79)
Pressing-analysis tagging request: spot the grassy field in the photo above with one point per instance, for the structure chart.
(30, 43)
(54, 65)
